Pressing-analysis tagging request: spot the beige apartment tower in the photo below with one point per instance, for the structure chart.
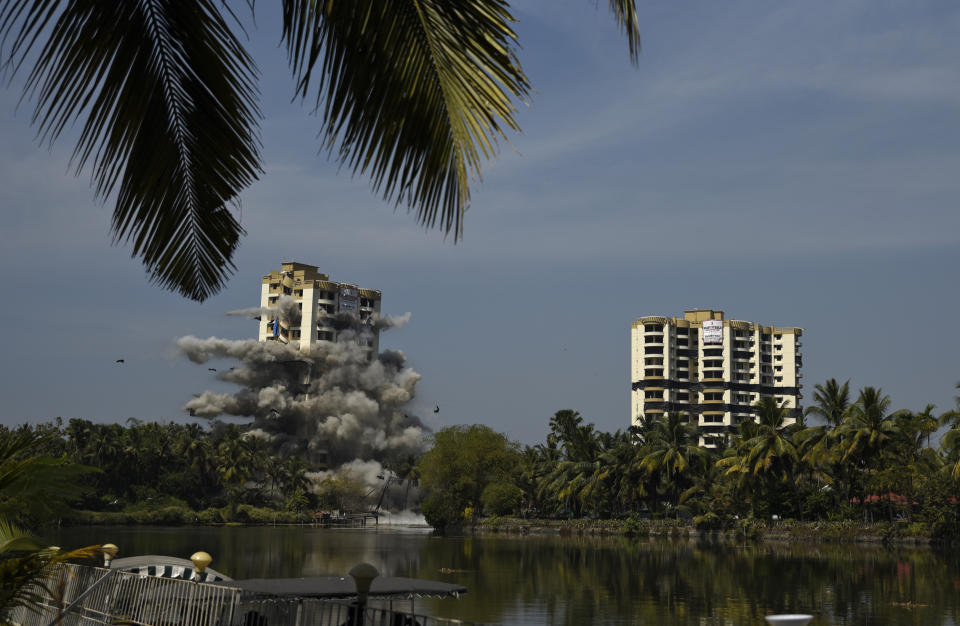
(317, 309)
(712, 369)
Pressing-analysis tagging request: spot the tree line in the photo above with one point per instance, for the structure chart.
(148, 472)
(842, 459)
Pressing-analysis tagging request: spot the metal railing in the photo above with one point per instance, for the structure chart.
(78, 595)
(316, 612)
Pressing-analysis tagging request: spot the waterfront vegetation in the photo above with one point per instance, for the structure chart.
(864, 470)
(863, 463)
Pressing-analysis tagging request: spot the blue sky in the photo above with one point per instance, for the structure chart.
(789, 163)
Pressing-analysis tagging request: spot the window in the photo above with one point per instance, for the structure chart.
(324, 335)
(683, 396)
(653, 328)
(654, 349)
(653, 339)
(653, 372)
(778, 336)
(683, 331)
(778, 357)
(712, 419)
(656, 360)
(683, 363)
(778, 368)
(682, 341)
(714, 395)
(653, 395)
(713, 363)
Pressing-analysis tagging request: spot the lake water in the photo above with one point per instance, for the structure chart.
(538, 580)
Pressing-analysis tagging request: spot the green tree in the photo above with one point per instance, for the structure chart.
(868, 426)
(413, 93)
(771, 453)
(462, 461)
(501, 498)
(831, 401)
(32, 488)
(672, 453)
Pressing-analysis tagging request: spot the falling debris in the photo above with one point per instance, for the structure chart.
(211, 369)
(436, 409)
(120, 361)
(330, 406)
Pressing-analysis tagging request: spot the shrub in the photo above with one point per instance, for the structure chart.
(707, 521)
(441, 511)
(501, 498)
(210, 516)
(249, 514)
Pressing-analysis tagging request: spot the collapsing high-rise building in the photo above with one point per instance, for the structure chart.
(712, 369)
(310, 308)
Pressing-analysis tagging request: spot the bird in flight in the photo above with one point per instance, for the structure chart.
(120, 361)
(211, 369)
(436, 409)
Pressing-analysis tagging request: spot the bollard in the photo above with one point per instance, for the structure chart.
(200, 562)
(109, 551)
(363, 575)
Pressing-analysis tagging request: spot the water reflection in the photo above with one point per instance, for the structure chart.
(588, 580)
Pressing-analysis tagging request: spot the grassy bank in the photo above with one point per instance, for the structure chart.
(745, 529)
(174, 515)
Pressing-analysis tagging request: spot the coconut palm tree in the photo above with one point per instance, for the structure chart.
(868, 427)
(31, 488)
(26, 569)
(950, 443)
(772, 454)
(672, 454)
(413, 93)
(831, 401)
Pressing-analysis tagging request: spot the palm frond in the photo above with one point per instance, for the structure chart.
(412, 92)
(625, 12)
(166, 97)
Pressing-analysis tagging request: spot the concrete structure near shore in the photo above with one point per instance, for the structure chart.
(324, 309)
(712, 369)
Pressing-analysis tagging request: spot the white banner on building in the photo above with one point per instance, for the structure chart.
(712, 332)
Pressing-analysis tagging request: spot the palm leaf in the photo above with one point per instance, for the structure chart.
(166, 97)
(625, 12)
(412, 92)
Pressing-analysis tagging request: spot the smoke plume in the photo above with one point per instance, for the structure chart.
(329, 406)
(286, 309)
